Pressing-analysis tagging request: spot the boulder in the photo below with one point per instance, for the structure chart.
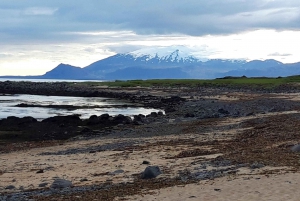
(104, 117)
(151, 172)
(160, 113)
(153, 114)
(12, 120)
(70, 119)
(137, 118)
(121, 119)
(93, 120)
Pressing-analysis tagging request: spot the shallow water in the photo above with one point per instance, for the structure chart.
(110, 106)
(46, 80)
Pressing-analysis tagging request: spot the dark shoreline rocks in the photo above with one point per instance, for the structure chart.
(65, 127)
(68, 89)
(176, 108)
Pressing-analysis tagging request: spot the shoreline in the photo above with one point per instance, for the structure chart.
(209, 143)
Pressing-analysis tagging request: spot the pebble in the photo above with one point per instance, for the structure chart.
(43, 184)
(145, 162)
(117, 172)
(10, 187)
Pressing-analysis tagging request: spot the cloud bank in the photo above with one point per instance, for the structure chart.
(49, 20)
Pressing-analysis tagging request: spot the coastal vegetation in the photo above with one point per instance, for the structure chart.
(265, 82)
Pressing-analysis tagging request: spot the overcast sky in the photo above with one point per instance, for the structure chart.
(35, 35)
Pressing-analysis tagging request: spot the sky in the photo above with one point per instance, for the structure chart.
(36, 36)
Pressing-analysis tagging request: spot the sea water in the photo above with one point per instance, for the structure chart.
(8, 107)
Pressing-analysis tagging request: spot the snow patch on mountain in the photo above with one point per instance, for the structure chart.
(171, 54)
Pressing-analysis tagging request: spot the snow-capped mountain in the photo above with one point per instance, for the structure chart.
(188, 60)
(171, 62)
(172, 54)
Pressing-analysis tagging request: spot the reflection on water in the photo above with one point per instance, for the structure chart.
(46, 80)
(8, 102)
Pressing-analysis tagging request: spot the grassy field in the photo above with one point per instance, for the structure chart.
(227, 81)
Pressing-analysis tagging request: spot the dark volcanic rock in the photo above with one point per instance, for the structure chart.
(104, 117)
(153, 114)
(40, 171)
(61, 183)
(151, 172)
(116, 172)
(71, 119)
(256, 165)
(296, 148)
(43, 184)
(10, 187)
(93, 120)
(121, 119)
(160, 113)
(12, 121)
(173, 99)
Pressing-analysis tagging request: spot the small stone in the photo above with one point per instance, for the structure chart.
(250, 114)
(10, 187)
(151, 172)
(296, 148)
(40, 171)
(257, 165)
(61, 183)
(83, 179)
(145, 162)
(217, 189)
(116, 172)
(43, 184)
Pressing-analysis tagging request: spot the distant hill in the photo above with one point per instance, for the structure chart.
(168, 62)
(65, 71)
(141, 73)
(265, 71)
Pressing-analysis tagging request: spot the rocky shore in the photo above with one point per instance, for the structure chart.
(206, 134)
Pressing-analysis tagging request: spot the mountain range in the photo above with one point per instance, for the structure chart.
(167, 63)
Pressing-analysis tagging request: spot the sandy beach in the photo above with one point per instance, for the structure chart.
(226, 157)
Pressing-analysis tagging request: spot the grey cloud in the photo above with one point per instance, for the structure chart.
(277, 54)
(40, 11)
(4, 55)
(49, 19)
(124, 48)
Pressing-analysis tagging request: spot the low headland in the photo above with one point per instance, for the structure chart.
(234, 138)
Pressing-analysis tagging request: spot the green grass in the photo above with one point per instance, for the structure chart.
(228, 81)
